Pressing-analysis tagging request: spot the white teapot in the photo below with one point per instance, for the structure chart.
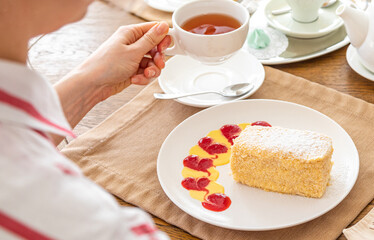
(359, 25)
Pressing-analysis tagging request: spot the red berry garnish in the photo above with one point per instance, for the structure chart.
(261, 123)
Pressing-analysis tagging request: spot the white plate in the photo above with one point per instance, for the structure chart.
(283, 60)
(354, 61)
(326, 23)
(251, 208)
(166, 5)
(183, 74)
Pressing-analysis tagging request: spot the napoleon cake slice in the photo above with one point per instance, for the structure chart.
(282, 160)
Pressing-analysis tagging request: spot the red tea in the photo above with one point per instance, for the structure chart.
(211, 24)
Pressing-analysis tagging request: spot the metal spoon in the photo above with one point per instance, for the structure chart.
(234, 90)
(288, 9)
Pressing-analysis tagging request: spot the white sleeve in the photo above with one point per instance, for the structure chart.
(43, 191)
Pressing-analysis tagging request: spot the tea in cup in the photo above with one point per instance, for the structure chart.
(210, 31)
(305, 11)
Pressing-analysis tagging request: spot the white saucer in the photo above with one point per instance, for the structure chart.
(166, 5)
(183, 74)
(327, 21)
(354, 62)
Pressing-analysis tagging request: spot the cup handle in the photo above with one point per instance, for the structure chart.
(176, 49)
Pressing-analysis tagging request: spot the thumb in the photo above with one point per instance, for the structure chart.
(152, 37)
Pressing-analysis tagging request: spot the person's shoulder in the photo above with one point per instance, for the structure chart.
(25, 151)
(18, 142)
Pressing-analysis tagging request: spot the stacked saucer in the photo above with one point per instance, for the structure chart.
(354, 62)
(305, 40)
(326, 23)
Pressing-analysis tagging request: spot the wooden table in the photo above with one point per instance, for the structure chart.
(56, 54)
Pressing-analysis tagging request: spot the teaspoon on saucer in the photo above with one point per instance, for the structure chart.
(288, 9)
(234, 90)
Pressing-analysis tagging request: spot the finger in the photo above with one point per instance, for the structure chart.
(159, 60)
(133, 32)
(152, 71)
(152, 52)
(140, 71)
(152, 38)
(139, 79)
(144, 62)
(164, 44)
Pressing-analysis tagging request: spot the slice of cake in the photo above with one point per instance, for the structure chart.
(282, 160)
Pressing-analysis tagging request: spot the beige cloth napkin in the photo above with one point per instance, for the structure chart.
(363, 230)
(121, 153)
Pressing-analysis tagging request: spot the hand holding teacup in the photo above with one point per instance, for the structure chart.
(195, 33)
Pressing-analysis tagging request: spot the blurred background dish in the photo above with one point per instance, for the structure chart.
(326, 23)
(354, 62)
(166, 5)
(300, 49)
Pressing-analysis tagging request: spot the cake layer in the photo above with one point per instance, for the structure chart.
(282, 160)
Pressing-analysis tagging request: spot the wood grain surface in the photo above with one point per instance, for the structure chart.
(57, 53)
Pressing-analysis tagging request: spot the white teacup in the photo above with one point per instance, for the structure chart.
(305, 11)
(208, 49)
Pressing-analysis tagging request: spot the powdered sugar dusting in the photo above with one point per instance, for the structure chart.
(304, 145)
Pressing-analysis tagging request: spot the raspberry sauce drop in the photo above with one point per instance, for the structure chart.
(230, 131)
(197, 184)
(207, 144)
(212, 199)
(197, 163)
(217, 202)
(261, 123)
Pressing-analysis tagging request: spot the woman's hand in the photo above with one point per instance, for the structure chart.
(133, 54)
